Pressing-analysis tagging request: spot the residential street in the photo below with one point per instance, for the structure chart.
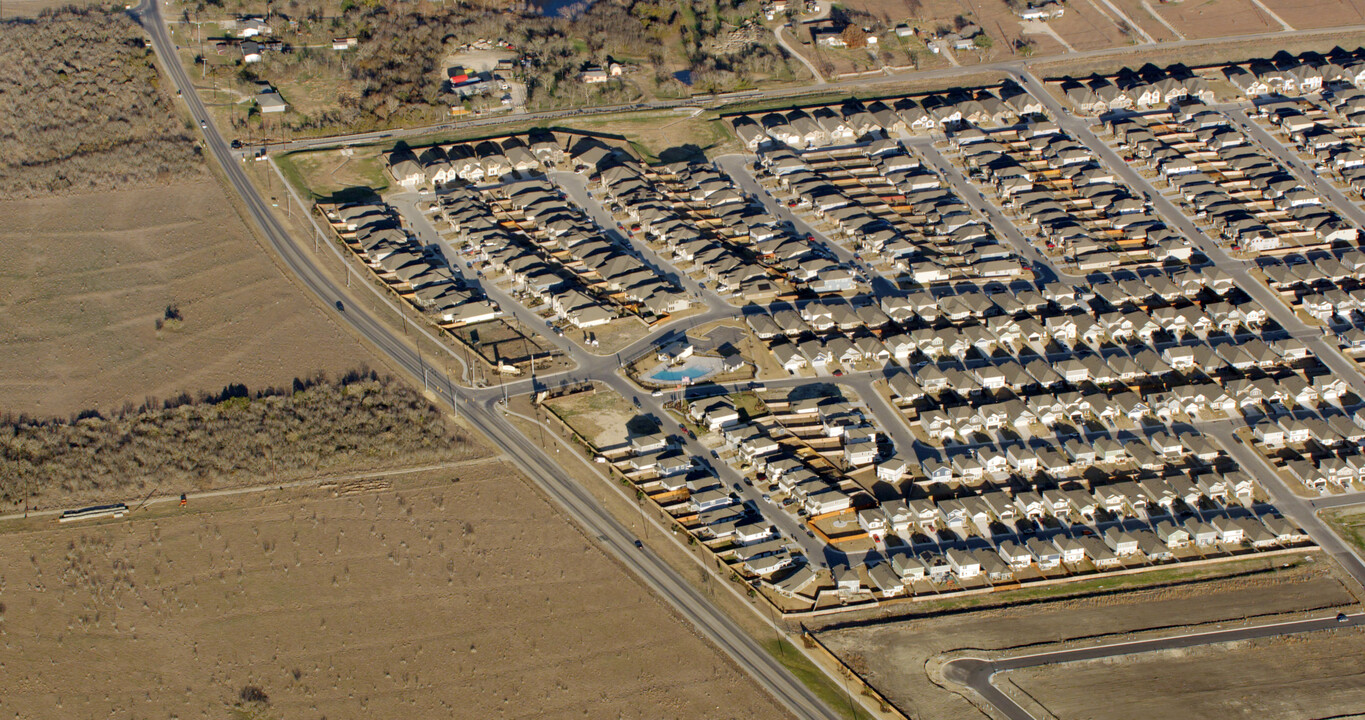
(485, 406)
(977, 673)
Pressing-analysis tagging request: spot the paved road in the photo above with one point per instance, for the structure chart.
(1295, 508)
(976, 673)
(1296, 165)
(480, 413)
(777, 33)
(1336, 501)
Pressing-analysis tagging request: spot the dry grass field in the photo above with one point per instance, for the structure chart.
(603, 417)
(1241, 680)
(1216, 18)
(1086, 27)
(894, 657)
(1319, 13)
(89, 276)
(462, 595)
(31, 8)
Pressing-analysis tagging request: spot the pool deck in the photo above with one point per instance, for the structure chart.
(697, 367)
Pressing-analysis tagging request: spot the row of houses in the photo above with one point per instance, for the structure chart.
(1115, 548)
(1251, 200)
(1142, 89)
(1035, 558)
(1077, 204)
(1030, 510)
(921, 327)
(885, 203)
(1328, 129)
(853, 121)
(1286, 74)
(419, 274)
(696, 216)
(474, 163)
(696, 497)
(563, 257)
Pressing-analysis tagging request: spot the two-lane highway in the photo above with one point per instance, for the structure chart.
(527, 455)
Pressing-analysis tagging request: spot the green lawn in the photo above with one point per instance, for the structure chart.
(749, 405)
(1350, 525)
(322, 173)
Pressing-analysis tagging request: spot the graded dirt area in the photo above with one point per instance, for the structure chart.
(464, 595)
(1217, 18)
(603, 416)
(896, 657)
(88, 277)
(1240, 680)
(1319, 13)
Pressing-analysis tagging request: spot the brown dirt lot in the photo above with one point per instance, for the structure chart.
(893, 656)
(1241, 680)
(89, 275)
(603, 417)
(1086, 28)
(1216, 18)
(1319, 13)
(462, 595)
(1139, 14)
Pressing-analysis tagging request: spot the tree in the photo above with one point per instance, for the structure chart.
(983, 41)
(854, 37)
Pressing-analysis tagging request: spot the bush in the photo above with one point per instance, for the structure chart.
(84, 110)
(232, 437)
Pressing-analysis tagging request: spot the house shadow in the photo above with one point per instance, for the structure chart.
(350, 195)
(642, 425)
(683, 153)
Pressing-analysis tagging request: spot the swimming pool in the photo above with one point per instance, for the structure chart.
(694, 369)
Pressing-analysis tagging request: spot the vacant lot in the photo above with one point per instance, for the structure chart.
(323, 173)
(1349, 524)
(464, 595)
(1087, 27)
(892, 656)
(88, 278)
(603, 416)
(1319, 13)
(1242, 680)
(1217, 18)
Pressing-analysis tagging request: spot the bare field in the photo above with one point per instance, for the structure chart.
(462, 595)
(1217, 18)
(1241, 680)
(1318, 13)
(1143, 12)
(89, 276)
(892, 656)
(1086, 28)
(603, 417)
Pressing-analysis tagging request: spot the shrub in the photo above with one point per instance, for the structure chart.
(230, 437)
(84, 110)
